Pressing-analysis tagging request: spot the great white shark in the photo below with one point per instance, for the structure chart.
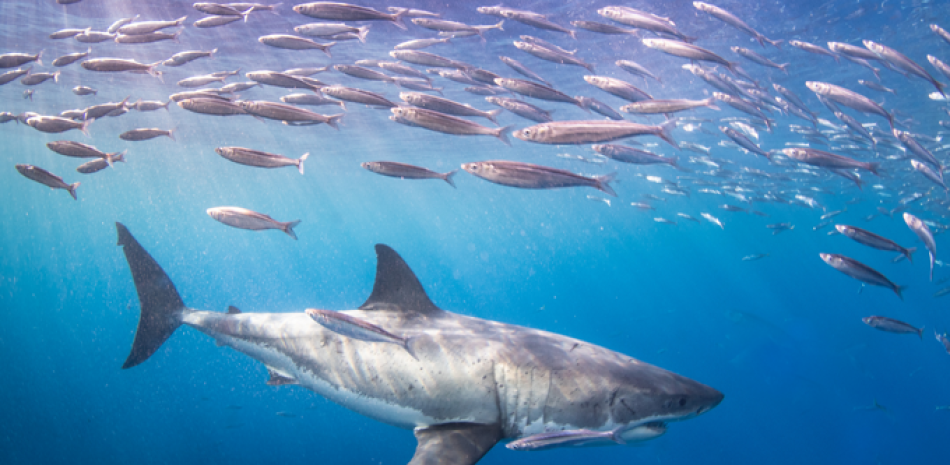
(467, 384)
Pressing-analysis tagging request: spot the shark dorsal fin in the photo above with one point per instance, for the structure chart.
(232, 310)
(397, 287)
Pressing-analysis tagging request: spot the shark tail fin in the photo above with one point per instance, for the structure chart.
(161, 306)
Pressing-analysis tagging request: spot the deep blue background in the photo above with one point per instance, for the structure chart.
(781, 337)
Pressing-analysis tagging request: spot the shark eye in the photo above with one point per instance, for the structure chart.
(682, 401)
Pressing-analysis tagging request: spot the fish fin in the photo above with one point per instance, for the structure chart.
(247, 13)
(332, 120)
(120, 156)
(72, 190)
(84, 128)
(408, 345)
(920, 333)
(300, 162)
(326, 49)
(397, 287)
(232, 310)
(289, 228)
(502, 133)
(448, 177)
(776, 43)
(784, 67)
(39, 56)
(602, 183)
(277, 379)
(665, 134)
(161, 306)
(493, 114)
(909, 254)
(454, 443)
(873, 167)
(362, 34)
(397, 18)
(899, 290)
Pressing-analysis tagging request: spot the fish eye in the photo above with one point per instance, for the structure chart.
(682, 401)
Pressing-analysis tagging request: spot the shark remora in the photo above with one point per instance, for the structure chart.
(470, 384)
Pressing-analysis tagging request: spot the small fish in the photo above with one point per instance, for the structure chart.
(731, 208)
(892, 326)
(664, 221)
(530, 176)
(860, 271)
(644, 206)
(46, 178)
(754, 257)
(404, 171)
(598, 199)
(575, 438)
(286, 415)
(357, 328)
(687, 217)
(260, 159)
(779, 227)
(942, 292)
(246, 219)
(735, 22)
(146, 134)
(713, 220)
(291, 42)
(447, 124)
(833, 214)
(923, 232)
(99, 164)
(943, 339)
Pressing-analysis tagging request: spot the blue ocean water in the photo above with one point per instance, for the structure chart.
(804, 379)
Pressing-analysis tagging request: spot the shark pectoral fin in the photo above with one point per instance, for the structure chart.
(454, 443)
(278, 379)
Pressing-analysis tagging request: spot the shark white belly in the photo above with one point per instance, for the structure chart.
(468, 383)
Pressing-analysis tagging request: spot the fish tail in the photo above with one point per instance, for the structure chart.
(873, 167)
(362, 34)
(119, 156)
(665, 132)
(332, 120)
(301, 160)
(920, 333)
(898, 290)
(502, 133)
(176, 35)
(84, 128)
(111, 157)
(710, 104)
(931, 266)
(877, 73)
(573, 34)
(493, 114)
(776, 43)
(247, 13)
(784, 67)
(909, 254)
(56, 76)
(326, 49)
(288, 228)
(161, 306)
(689, 39)
(273, 8)
(397, 18)
(180, 21)
(72, 190)
(447, 177)
(601, 183)
(589, 67)
(498, 26)
(171, 134)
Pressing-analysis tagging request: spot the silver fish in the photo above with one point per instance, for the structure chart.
(618, 87)
(289, 114)
(625, 154)
(356, 328)
(759, 59)
(44, 177)
(633, 67)
(927, 237)
(351, 94)
(79, 150)
(56, 124)
(146, 134)
(290, 42)
(812, 48)
(71, 58)
(99, 164)
(211, 106)
(553, 56)
(427, 59)
(828, 160)
(215, 21)
(13, 60)
(689, 51)
(440, 122)
(444, 105)
(117, 65)
(260, 159)
(900, 61)
(454, 26)
(713, 220)
(592, 132)
(649, 107)
(147, 27)
(642, 20)
(600, 108)
(243, 218)
(147, 38)
(311, 99)
(535, 90)
(873, 240)
(185, 57)
(522, 109)
(286, 81)
(860, 271)
(735, 22)
(404, 171)
(602, 28)
(530, 176)
(892, 326)
(419, 44)
(929, 174)
(522, 69)
(347, 12)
